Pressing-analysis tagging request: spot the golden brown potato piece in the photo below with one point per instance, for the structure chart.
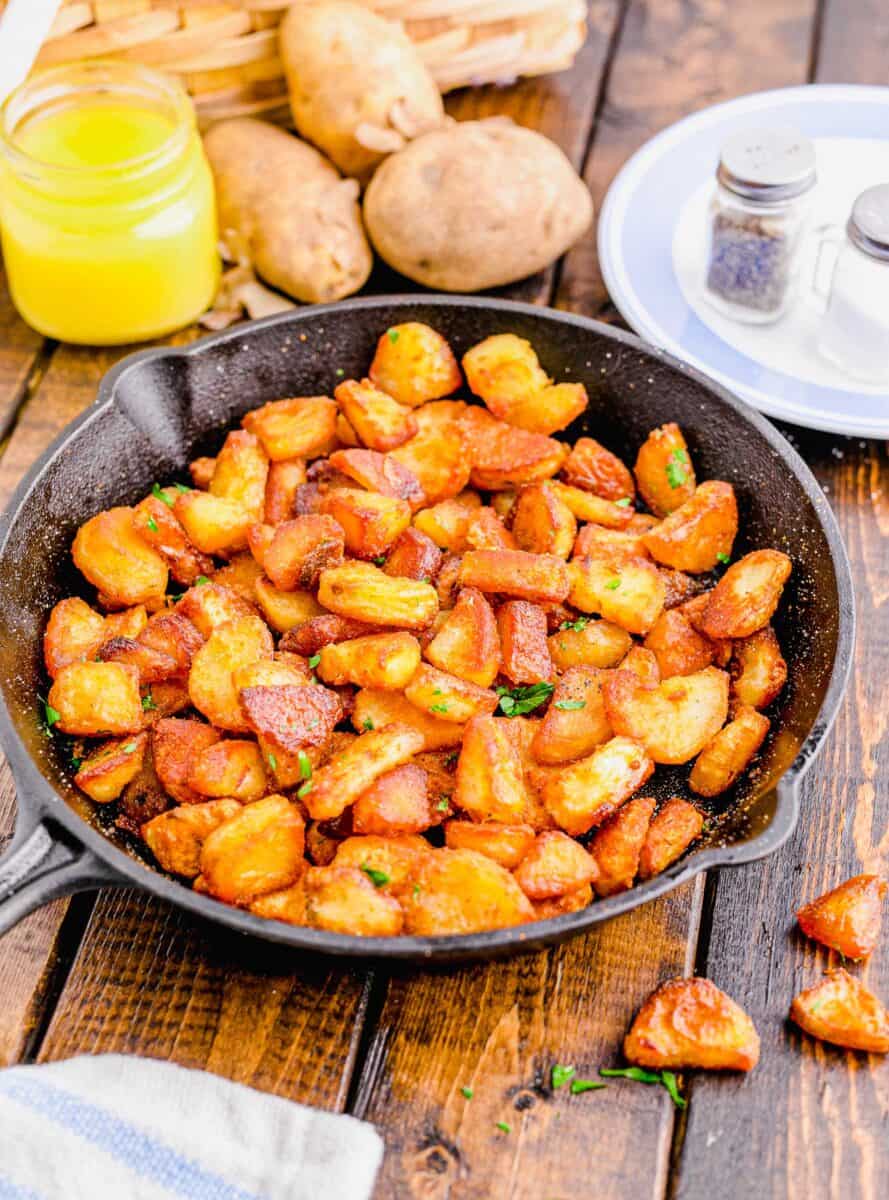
(213, 692)
(344, 900)
(587, 792)
(241, 472)
(280, 490)
(414, 556)
(643, 664)
(506, 844)
(847, 918)
(201, 472)
(383, 660)
(554, 866)
(677, 645)
(617, 845)
(447, 696)
(542, 523)
(585, 642)
(722, 760)
(486, 531)
(389, 862)
(698, 534)
(503, 456)
(105, 774)
(675, 720)
(460, 891)
(130, 622)
(350, 772)
(209, 605)
(293, 723)
(490, 780)
(502, 370)
(747, 595)
(435, 454)
(680, 587)
(523, 642)
(301, 549)
(539, 577)
(586, 506)
(74, 632)
(628, 592)
(176, 746)
(214, 524)
(153, 665)
(301, 427)
(94, 698)
(378, 420)
(591, 467)
(572, 902)
(374, 709)
(841, 1010)
(414, 363)
(691, 1023)
(446, 523)
(664, 471)
(323, 630)
(758, 669)
(163, 700)
(175, 838)
(229, 768)
(110, 552)
(575, 722)
(364, 593)
(284, 670)
(468, 644)
(370, 523)
(241, 574)
(170, 632)
(380, 473)
(285, 610)
(162, 530)
(258, 850)
(288, 905)
(596, 541)
(447, 583)
(672, 830)
(397, 802)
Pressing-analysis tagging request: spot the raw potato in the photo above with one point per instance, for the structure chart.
(475, 205)
(299, 221)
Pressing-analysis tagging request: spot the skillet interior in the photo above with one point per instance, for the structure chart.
(160, 409)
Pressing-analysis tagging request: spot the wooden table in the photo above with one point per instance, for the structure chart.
(122, 972)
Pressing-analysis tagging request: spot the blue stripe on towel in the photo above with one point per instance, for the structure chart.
(139, 1151)
(12, 1191)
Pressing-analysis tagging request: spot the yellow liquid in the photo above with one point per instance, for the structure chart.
(108, 249)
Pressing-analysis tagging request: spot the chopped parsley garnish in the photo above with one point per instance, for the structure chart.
(451, 758)
(314, 660)
(560, 1075)
(367, 723)
(377, 878)
(130, 748)
(676, 474)
(75, 762)
(305, 765)
(612, 585)
(152, 524)
(438, 708)
(437, 692)
(148, 703)
(503, 1127)
(392, 334)
(201, 580)
(624, 502)
(518, 700)
(159, 494)
(443, 805)
(577, 625)
(273, 762)
(666, 1079)
(416, 890)
(380, 560)
(51, 714)
(180, 487)
(585, 1085)
(304, 788)
(467, 1092)
(340, 372)
(724, 558)
(570, 705)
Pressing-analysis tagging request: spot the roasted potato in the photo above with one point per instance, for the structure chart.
(690, 1023)
(300, 427)
(539, 577)
(381, 473)
(758, 669)
(673, 721)
(213, 692)
(109, 550)
(723, 759)
(587, 792)
(435, 455)
(375, 709)
(161, 529)
(398, 802)
(588, 507)
(214, 525)
(293, 723)
(575, 722)
(232, 768)
(208, 605)
(490, 780)
(747, 595)
(344, 900)
(257, 850)
(241, 472)
(699, 533)
(382, 660)
(841, 1010)
(617, 845)
(280, 490)
(284, 611)
(347, 774)
(503, 456)
(414, 556)
(379, 422)
(643, 664)
(595, 541)
(664, 470)
(364, 593)
(300, 549)
(677, 645)
(847, 918)
(542, 523)
(447, 523)
(389, 862)
(468, 643)
(586, 642)
(176, 837)
(554, 866)
(74, 632)
(414, 363)
(461, 891)
(628, 592)
(94, 698)
(523, 642)
(176, 746)
(506, 844)
(447, 696)
(591, 467)
(672, 830)
(370, 523)
(105, 774)
(504, 371)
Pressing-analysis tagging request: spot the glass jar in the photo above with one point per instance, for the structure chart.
(757, 219)
(107, 207)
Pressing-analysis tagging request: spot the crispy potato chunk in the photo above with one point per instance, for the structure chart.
(162, 530)
(378, 420)
(591, 467)
(257, 850)
(280, 490)
(389, 862)
(695, 535)
(448, 696)
(74, 632)
(596, 541)
(414, 556)
(617, 845)
(301, 549)
(460, 891)
(446, 523)
(675, 720)
(380, 473)
(230, 768)
(628, 592)
(575, 722)
(397, 802)
(241, 473)
(94, 698)
(375, 709)
(677, 645)
(293, 723)
(323, 630)
(201, 472)
(176, 746)
(468, 644)
(343, 900)
(758, 669)
(288, 905)
(130, 622)
(172, 634)
(382, 660)
(362, 592)
(414, 363)
(672, 830)
(747, 595)
(110, 552)
(347, 774)
(569, 903)
(370, 523)
(523, 642)
(153, 665)
(587, 792)
(176, 837)
(165, 699)
(691, 1023)
(490, 780)
(643, 664)
(105, 774)
(554, 866)
(209, 605)
(539, 577)
(847, 918)
(502, 370)
(588, 507)
(506, 844)
(301, 427)
(664, 470)
(287, 670)
(213, 692)
(841, 1010)
(503, 456)
(435, 454)
(542, 523)
(285, 610)
(585, 642)
(486, 531)
(214, 524)
(680, 587)
(723, 759)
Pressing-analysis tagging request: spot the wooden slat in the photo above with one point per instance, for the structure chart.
(854, 44)
(20, 348)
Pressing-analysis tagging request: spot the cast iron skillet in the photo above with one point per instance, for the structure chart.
(160, 408)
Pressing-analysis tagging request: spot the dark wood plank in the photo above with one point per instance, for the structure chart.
(20, 350)
(854, 45)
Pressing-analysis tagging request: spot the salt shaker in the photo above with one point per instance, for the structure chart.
(758, 215)
(854, 333)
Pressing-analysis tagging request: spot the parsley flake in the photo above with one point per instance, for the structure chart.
(392, 334)
(180, 487)
(51, 714)
(676, 475)
(570, 705)
(438, 708)
(612, 585)
(380, 560)
(273, 762)
(201, 580)
(504, 1127)
(148, 703)
(518, 700)
(467, 1092)
(159, 494)
(416, 890)
(578, 1086)
(314, 660)
(724, 558)
(340, 372)
(75, 763)
(152, 524)
(624, 502)
(304, 788)
(367, 723)
(377, 878)
(305, 766)
(666, 1079)
(560, 1075)
(130, 748)
(577, 625)
(443, 805)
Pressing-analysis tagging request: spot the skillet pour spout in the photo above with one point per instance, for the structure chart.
(159, 409)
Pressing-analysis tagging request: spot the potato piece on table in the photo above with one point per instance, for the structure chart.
(293, 724)
(287, 905)
(841, 1010)
(447, 696)
(617, 845)
(344, 900)
(692, 1023)
(375, 709)
(94, 698)
(325, 629)
(176, 837)
(176, 745)
(380, 422)
(847, 918)
(364, 593)
(397, 802)
(110, 552)
(241, 472)
(435, 455)
(371, 523)
(258, 850)
(758, 669)
(153, 665)
(542, 523)
(284, 478)
(301, 549)
(575, 722)
(591, 467)
(212, 689)
(284, 611)
(723, 759)
(586, 506)
(587, 792)
(74, 632)
(347, 774)
(382, 660)
(629, 592)
(468, 644)
(447, 522)
(232, 768)
(643, 664)
(163, 531)
(554, 866)
(523, 642)
(677, 645)
(506, 844)
(414, 556)
(214, 524)
(502, 456)
(747, 595)
(299, 427)
(490, 780)
(664, 471)
(388, 862)
(698, 534)
(587, 642)
(460, 891)
(105, 774)
(672, 830)
(539, 577)
(414, 363)
(209, 605)
(675, 720)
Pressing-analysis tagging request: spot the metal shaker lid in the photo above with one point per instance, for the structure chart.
(767, 164)
(868, 226)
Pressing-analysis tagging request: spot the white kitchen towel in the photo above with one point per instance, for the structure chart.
(24, 25)
(123, 1128)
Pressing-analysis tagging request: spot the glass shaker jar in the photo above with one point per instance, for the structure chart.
(854, 333)
(757, 218)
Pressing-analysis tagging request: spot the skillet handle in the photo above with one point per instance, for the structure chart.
(40, 866)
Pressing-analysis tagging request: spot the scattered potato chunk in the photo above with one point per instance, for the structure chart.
(97, 698)
(841, 1010)
(722, 760)
(176, 837)
(447, 523)
(231, 768)
(298, 428)
(697, 534)
(539, 577)
(301, 549)
(460, 891)
(389, 862)
(378, 420)
(587, 792)
(503, 456)
(285, 670)
(176, 746)
(758, 669)
(288, 905)
(201, 472)
(362, 592)
(502, 370)
(370, 523)
(554, 866)
(847, 918)
(575, 722)
(397, 802)
(214, 524)
(382, 660)
(257, 850)
(129, 622)
(280, 490)
(468, 644)
(447, 696)
(628, 592)
(672, 830)
(213, 692)
(105, 774)
(322, 630)
(170, 633)
(153, 665)
(112, 555)
(617, 845)
(162, 530)
(569, 903)
(486, 531)
(506, 844)
(664, 471)
(414, 363)
(490, 781)
(586, 642)
(591, 467)
(542, 523)
(375, 709)
(523, 643)
(343, 900)
(747, 595)
(595, 541)
(241, 473)
(691, 1023)
(74, 632)
(675, 720)
(677, 645)
(347, 774)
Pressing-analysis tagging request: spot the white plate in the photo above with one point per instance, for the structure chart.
(652, 232)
